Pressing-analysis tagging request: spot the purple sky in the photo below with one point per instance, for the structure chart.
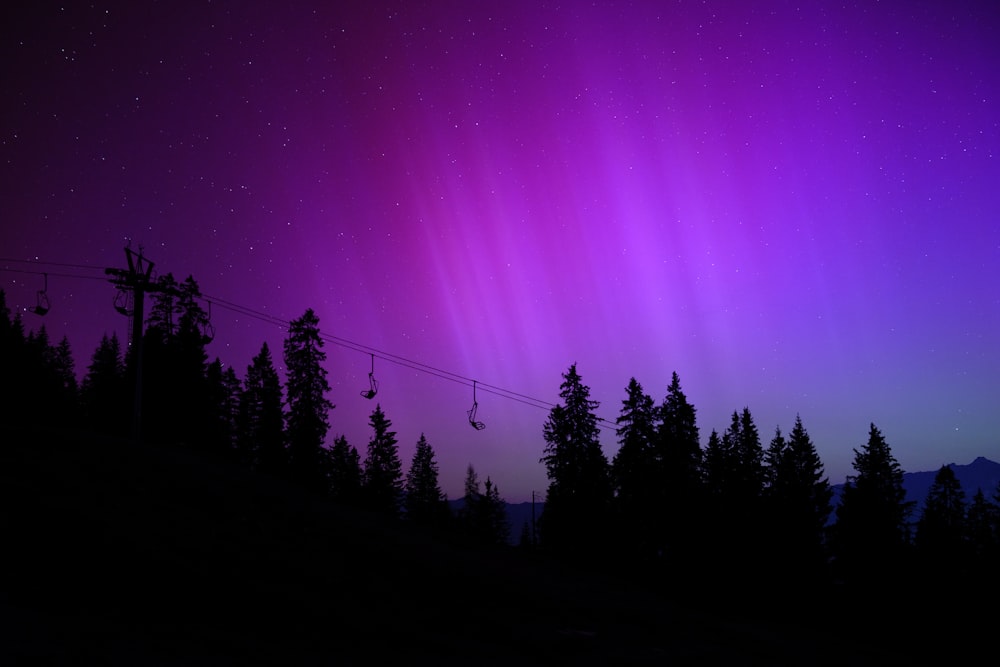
(796, 208)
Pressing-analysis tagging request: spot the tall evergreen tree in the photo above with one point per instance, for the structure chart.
(776, 461)
(482, 520)
(468, 516)
(16, 399)
(47, 381)
(580, 492)
(736, 479)
(345, 472)
(636, 474)
(470, 486)
(165, 308)
(872, 526)
(383, 470)
(798, 505)
(716, 467)
(66, 391)
(160, 415)
(104, 398)
(425, 503)
(36, 381)
(192, 391)
(175, 396)
(749, 457)
(261, 423)
(982, 531)
(941, 533)
(308, 408)
(680, 503)
(493, 512)
(223, 405)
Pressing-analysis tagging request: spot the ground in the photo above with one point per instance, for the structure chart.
(125, 554)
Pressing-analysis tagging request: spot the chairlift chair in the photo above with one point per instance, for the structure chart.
(372, 383)
(206, 328)
(41, 299)
(122, 302)
(478, 425)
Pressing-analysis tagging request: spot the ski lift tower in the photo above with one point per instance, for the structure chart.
(137, 278)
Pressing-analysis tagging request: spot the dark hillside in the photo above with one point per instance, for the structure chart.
(124, 555)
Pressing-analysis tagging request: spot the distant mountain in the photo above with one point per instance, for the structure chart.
(980, 474)
(518, 515)
(521, 515)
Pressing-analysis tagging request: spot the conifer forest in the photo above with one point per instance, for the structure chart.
(169, 480)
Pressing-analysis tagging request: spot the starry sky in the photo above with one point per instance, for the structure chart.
(794, 206)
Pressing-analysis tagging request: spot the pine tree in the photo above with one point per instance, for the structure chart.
(175, 396)
(261, 422)
(492, 511)
(982, 531)
(471, 486)
(636, 473)
(103, 394)
(482, 520)
(798, 506)
(749, 458)
(66, 391)
(680, 502)
(872, 528)
(580, 492)
(735, 475)
(192, 393)
(383, 471)
(223, 404)
(345, 472)
(941, 531)
(717, 472)
(165, 309)
(468, 514)
(305, 393)
(161, 418)
(716, 467)
(15, 399)
(425, 503)
(36, 381)
(775, 463)
(47, 382)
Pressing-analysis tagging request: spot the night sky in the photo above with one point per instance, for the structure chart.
(795, 206)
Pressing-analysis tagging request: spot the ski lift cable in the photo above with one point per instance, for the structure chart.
(404, 361)
(337, 340)
(38, 262)
(51, 273)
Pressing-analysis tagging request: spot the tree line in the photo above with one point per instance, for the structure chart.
(735, 512)
(741, 514)
(272, 427)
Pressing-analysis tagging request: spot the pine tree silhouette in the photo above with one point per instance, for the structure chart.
(579, 496)
(306, 385)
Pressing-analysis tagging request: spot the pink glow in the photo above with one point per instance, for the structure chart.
(796, 209)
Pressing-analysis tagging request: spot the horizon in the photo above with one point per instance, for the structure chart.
(793, 209)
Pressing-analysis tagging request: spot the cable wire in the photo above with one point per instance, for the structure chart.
(336, 340)
(399, 360)
(40, 262)
(50, 273)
